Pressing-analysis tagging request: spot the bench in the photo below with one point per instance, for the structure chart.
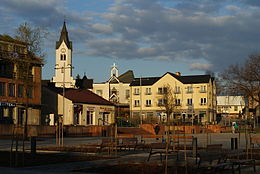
(160, 148)
(211, 162)
(235, 156)
(254, 141)
(181, 141)
(110, 143)
(146, 140)
(128, 143)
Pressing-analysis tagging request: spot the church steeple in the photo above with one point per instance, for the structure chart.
(64, 37)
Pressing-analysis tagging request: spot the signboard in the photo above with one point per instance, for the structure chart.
(3, 104)
(104, 109)
(90, 108)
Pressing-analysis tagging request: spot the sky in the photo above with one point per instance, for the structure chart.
(150, 37)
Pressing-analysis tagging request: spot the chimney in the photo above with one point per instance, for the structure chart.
(178, 73)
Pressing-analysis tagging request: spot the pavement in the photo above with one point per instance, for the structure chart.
(139, 157)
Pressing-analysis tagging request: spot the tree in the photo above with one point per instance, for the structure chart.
(33, 37)
(244, 79)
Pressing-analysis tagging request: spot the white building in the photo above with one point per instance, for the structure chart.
(116, 89)
(63, 66)
(230, 106)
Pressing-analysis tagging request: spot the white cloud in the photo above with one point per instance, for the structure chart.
(200, 66)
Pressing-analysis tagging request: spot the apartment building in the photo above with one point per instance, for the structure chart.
(20, 83)
(193, 98)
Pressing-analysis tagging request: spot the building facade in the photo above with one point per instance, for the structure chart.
(117, 90)
(63, 66)
(20, 83)
(230, 106)
(77, 107)
(193, 98)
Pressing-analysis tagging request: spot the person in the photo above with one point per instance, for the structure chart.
(234, 127)
(156, 129)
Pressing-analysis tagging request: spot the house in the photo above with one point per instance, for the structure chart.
(77, 107)
(230, 106)
(117, 90)
(20, 83)
(193, 98)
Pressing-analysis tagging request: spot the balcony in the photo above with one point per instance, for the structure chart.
(10, 75)
(189, 92)
(177, 92)
(148, 93)
(136, 105)
(203, 91)
(135, 93)
(148, 105)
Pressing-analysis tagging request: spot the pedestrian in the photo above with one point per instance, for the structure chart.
(156, 129)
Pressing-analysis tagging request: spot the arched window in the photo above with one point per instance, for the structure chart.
(63, 57)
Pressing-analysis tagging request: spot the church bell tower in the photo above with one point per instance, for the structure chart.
(63, 66)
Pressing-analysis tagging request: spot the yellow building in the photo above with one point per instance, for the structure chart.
(194, 98)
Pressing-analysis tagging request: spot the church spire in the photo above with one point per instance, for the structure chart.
(64, 37)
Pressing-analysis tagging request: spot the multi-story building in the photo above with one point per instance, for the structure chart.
(20, 83)
(194, 98)
(117, 90)
(230, 106)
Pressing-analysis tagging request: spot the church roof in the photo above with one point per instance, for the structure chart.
(64, 37)
(126, 77)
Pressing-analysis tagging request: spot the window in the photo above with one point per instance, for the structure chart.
(11, 90)
(203, 101)
(89, 119)
(189, 89)
(30, 91)
(2, 88)
(189, 101)
(162, 90)
(99, 92)
(148, 103)
(203, 89)
(161, 102)
(127, 93)
(177, 102)
(177, 90)
(63, 57)
(235, 108)
(136, 91)
(20, 90)
(137, 103)
(148, 91)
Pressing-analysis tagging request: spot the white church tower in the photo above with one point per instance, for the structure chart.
(63, 66)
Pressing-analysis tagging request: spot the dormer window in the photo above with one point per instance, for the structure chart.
(63, 57)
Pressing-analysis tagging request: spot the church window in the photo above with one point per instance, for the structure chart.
(63, 57)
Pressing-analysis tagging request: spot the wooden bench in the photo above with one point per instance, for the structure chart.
(211, 162)
(180, 141)
(160, 148)
(254, 141)
(235, 157)
(109, 142)
(128, 143)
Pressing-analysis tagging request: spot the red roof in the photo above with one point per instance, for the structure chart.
(85, 96)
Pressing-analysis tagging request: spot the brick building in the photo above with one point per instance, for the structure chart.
(20, 83)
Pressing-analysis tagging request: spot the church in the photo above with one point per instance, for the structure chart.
(63, 101)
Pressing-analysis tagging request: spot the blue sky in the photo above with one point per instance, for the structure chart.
(150, 37)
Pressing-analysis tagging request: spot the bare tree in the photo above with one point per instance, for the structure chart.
(33, 37)
(244, 79)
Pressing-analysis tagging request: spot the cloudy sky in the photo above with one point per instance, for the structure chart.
(150, 37)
